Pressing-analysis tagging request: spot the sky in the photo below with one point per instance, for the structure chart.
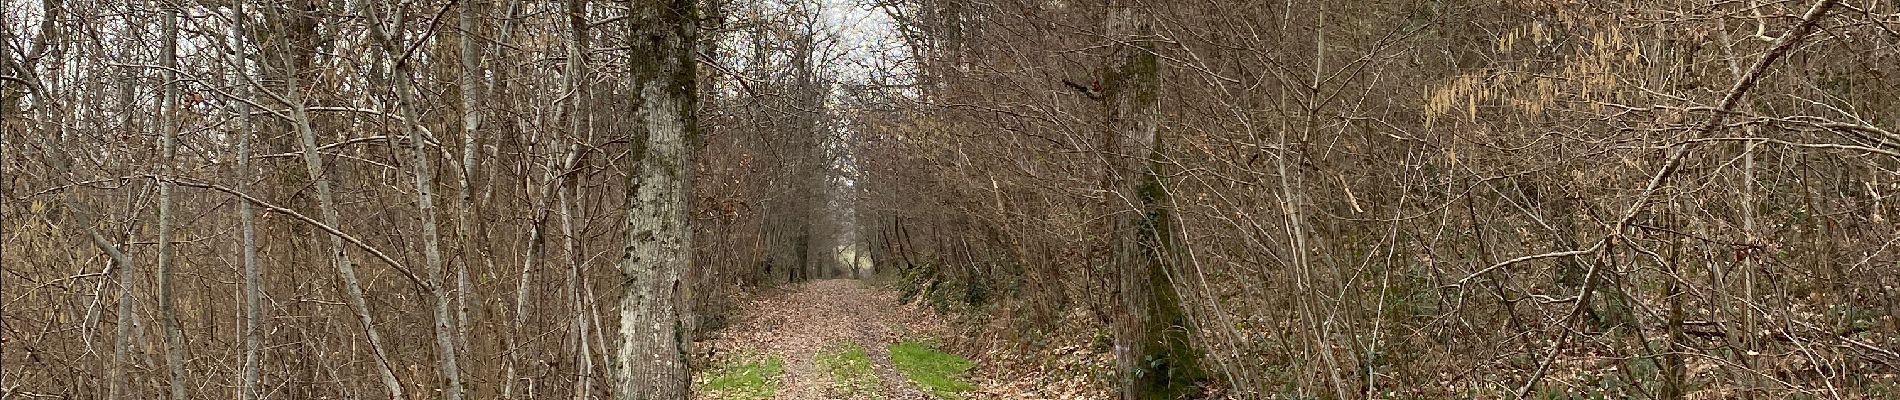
(865, 36)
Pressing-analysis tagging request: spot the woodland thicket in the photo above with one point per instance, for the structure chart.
(1245, 199)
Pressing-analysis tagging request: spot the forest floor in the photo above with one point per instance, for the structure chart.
(852, 339)
(828, 339)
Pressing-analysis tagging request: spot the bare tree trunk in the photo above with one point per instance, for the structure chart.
(87, 220)
(536, 246)
(1152, 349)
(253, 284)
(116, 388)
(536, 251)
(578, 293)
(471, 85)
(578, 117)
(346, 269)
(128, 311)
(1746, 340)
(651, 360)
(445, 325)
(167, 121)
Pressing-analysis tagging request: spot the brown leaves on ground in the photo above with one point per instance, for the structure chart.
(800, 321)
(1074, 364)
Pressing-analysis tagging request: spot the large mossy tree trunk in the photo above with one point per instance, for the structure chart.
(651, 360)
(1153, 351)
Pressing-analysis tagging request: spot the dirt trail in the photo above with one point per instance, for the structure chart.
(799, 322)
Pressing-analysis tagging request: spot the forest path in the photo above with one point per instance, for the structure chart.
(798, 324)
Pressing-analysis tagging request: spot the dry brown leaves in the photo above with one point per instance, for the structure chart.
(800, 321)
(1069, 367)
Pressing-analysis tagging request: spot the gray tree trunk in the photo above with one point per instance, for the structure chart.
(465, 229)
(438, 285)
(168, 137)
(87, 219)
(651, 360)
(578, 295)
(253, 285)
(1153, 351)
(346, 269)
(445, 326)
(578, 116)
(128, 311)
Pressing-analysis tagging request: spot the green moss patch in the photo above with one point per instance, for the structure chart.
(744, 380)
(939, 374)
(852, 374)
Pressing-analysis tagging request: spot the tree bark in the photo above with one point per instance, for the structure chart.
(346, 268)
(168, 137)
(1152, 350)
(253, 284)
(87, 219)
(579, 114)
(651, 360)
(116, 388)
(445, 325)
(465, 229)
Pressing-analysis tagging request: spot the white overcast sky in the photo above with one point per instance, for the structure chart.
(866, 38)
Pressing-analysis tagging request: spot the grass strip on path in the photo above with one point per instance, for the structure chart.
(745, 380)
(852, 374)
(939, 374)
